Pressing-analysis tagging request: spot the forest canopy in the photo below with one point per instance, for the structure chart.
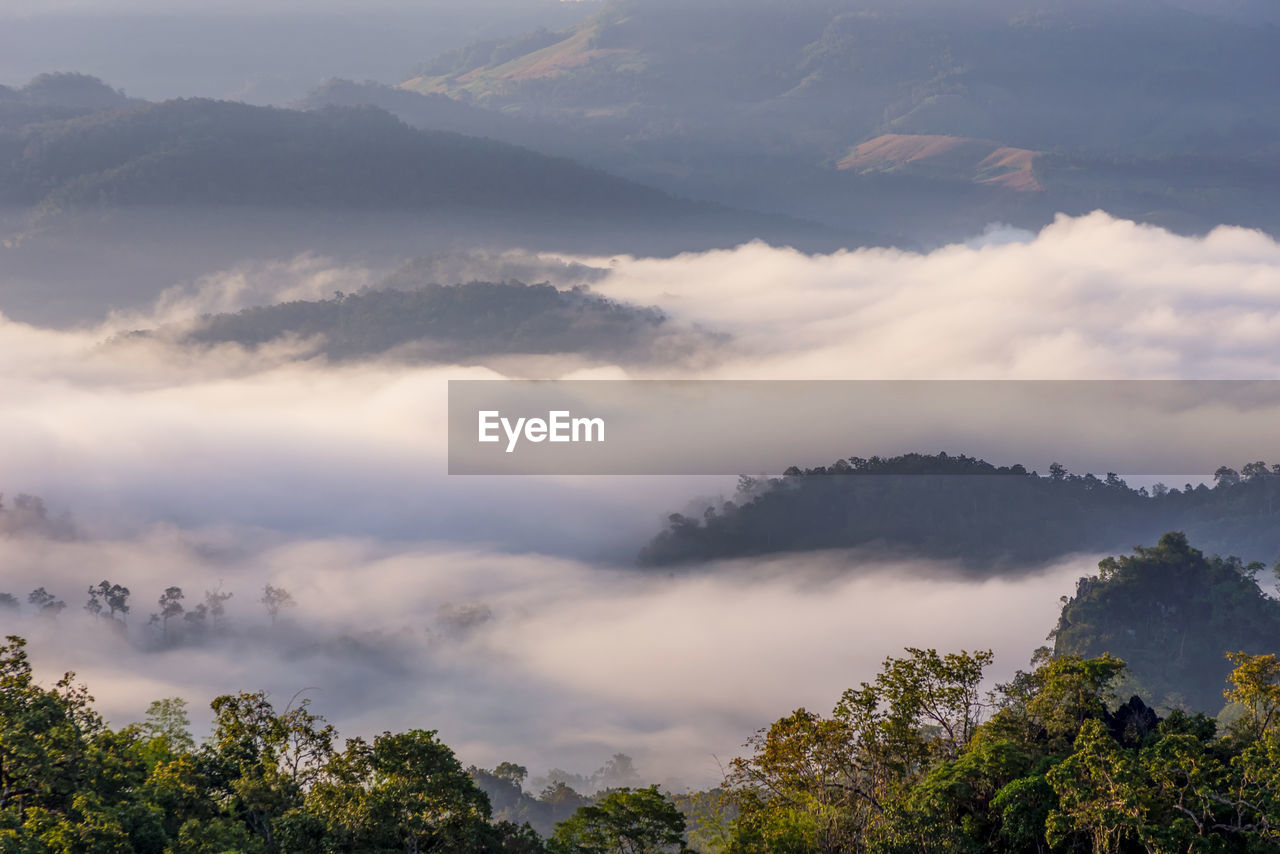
(984, 516)
(432, 322)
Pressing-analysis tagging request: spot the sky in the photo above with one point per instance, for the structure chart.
(261, 52)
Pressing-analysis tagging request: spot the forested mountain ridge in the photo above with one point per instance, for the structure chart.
(987, 518)
(56, 96)
(433, 323)
(1169, 612)
(206, 152)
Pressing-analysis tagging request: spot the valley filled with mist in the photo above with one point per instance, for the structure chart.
(235, 285)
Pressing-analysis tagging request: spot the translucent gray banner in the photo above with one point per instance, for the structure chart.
(576, 427)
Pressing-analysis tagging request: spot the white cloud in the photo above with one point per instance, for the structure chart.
(250, 468)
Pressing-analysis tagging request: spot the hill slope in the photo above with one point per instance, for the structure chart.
(200, 152)
(1132, 77)
(990, 519)
(696, 95)
(1171, 613)
(448, 323)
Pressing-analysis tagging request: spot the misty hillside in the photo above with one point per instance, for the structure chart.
(1146, 106)
(1170, 613)
(433, 111)
(27, 515)
(1137, 77)
(987, 518)
(55, 96)
(200, 152)
(432, 323)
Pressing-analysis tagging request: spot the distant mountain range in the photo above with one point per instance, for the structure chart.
(200, 152)
(1123, 77)
(805, 107)
(93, 151)
(987, 519)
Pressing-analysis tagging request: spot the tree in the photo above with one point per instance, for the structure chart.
(617, 773)
(940, 693)
(1226, 477)
(643, 821)
(167, 721)
(216, 602)
(46, 603)
(807, 787)
(1068, 691)
(1255, 685)
(1102, 793)
(170, 603)
(511, 773)
(406, 792)
(265, 761)
(113, 597)
(275, 599)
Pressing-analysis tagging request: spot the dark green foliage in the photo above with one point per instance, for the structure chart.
(967, 509)
(1169, 612)
(265, 782)
(643, 821)
(1051, 769)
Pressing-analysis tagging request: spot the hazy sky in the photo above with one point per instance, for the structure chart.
(262, 52)
(304, 7)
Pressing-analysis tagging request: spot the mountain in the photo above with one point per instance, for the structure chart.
(102, 209)
(227, 164)
(989, 519)
(1170, 613)
(447, 323)
(982, 161)
(1134, 77)
(57, 96)
(698, 95)
(201, 152)
(430, 111)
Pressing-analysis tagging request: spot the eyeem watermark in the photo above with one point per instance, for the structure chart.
(726, 427)
(558, 426)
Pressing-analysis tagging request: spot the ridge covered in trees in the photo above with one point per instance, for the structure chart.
(984, 516)
(434, 322)
(1169, 611)
(206, 152)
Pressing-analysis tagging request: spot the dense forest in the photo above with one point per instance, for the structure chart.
(431, 322)
(1168, 611)
(918, 759)
(985, 517)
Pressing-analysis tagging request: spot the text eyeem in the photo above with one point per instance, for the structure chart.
(558, 426)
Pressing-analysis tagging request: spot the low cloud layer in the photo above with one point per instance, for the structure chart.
(195, 468)
(1088, 298)
(548, 662)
